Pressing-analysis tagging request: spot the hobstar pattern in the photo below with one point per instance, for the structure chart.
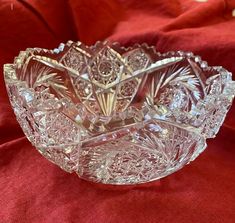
(117, 115)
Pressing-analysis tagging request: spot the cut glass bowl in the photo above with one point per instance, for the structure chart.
(117, 115)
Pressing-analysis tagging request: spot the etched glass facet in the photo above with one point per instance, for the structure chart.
(117, 115)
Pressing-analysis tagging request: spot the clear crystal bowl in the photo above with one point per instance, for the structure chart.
(117, 115)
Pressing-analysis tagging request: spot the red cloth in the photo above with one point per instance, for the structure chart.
(34, 190)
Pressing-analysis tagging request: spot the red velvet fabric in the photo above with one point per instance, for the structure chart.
(34, 190)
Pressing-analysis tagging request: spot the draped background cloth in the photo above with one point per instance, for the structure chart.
(34, 190)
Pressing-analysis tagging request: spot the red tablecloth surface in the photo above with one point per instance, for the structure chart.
(34, 190)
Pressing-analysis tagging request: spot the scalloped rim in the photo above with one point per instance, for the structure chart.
(187, 54)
